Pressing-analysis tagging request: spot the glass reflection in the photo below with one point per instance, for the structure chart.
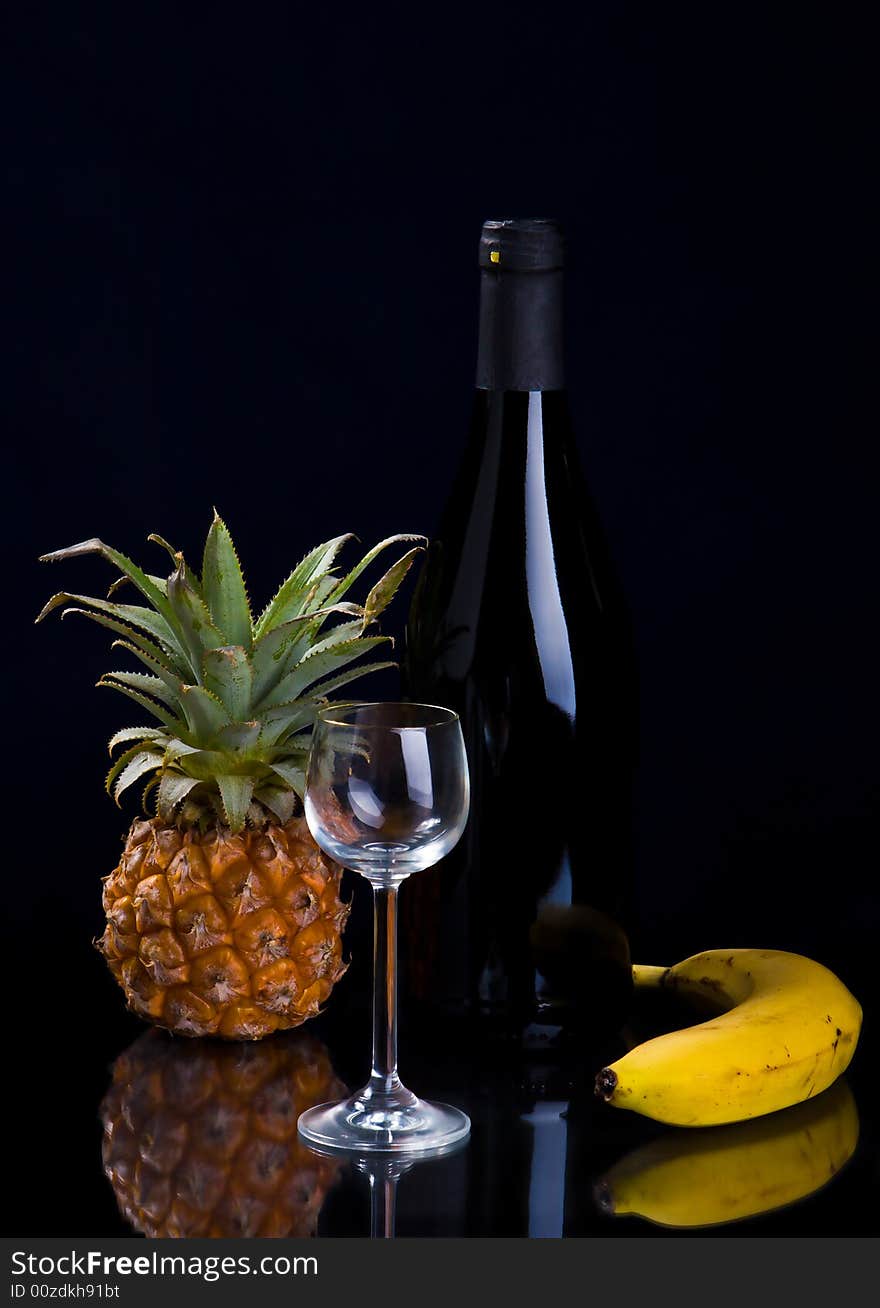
(715, 1175)
(384, 1170)
(200, 1138)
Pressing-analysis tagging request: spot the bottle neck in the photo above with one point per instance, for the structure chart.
(520, 347)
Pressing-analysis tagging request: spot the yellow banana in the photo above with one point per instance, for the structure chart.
(703, 1178)
(790, 1031)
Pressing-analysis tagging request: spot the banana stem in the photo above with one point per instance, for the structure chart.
(647, 977)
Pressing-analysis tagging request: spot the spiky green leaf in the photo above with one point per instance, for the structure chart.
(173, 789)
(176, 748)
(223, 587)
(286, 719)
(170, 680)
(149, 685)
(236, 794)
(338, 636)
(291, 775)
(136, 733)
(314, 666)
(149, 788)
(227, 673)
(95, 546)
(240, 739)
(149, 704)
(282, 646)
(146, 761)
(297, 743)
(119, 763)
(197, 631)
(207, 763)
(291, 596)
(127, 756)
(205, 714)
(280, 800)
(345, 585)
(177, 559)
(129, 615)
(315, 602)
(387, 586)
(325, 688)
(292, 718)
(159, 582)
(160, 656)
(169, 549)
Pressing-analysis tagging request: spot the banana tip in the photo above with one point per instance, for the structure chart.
(606, 1083)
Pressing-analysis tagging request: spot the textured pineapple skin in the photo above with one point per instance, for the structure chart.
(226, 935)
(200, 1138)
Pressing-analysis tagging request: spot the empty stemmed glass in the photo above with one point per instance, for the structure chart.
(387, 794)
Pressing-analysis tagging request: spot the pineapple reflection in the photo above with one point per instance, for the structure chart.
(712, 1175)
(200, 1139)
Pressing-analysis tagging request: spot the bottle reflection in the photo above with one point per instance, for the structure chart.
(547, 1088)
(710, 1176)
(547, 1176)
(200, 1138)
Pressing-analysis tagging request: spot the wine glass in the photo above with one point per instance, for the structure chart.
(387, 794)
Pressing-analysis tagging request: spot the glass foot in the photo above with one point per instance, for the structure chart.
(398, 1123)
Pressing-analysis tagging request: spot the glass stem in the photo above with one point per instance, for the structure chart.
(383, 1077)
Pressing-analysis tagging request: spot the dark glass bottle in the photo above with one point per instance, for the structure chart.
(519, 624)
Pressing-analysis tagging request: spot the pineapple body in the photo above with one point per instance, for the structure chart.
(222, 934)
(200, 1139)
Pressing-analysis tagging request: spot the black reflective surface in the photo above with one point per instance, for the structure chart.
(198, 1137)
(218, 295)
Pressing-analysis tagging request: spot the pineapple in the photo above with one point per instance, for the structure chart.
(200, 1138)
(223, 916)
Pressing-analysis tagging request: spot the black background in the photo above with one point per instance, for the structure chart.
(240, 270)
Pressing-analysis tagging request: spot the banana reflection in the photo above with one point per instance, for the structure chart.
(708, 1176)
(200, 1138)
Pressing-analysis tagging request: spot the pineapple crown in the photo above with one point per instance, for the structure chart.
(235, 698)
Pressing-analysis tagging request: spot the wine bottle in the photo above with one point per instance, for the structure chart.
(518, 622)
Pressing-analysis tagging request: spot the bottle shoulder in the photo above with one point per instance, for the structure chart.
(520, 502)
(518, 584)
